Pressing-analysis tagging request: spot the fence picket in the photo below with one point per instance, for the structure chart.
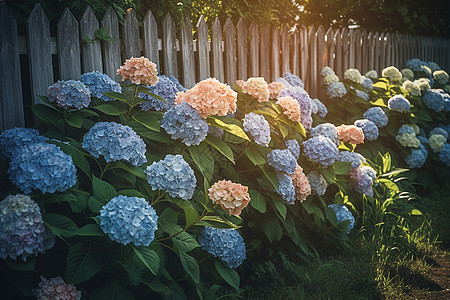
(358, 49)
(151, 39)
(339, 52)
(265, 51)
(91, 51)
(169, 47)
(275, 54)
(230, 51)
(187, 54)
(242, 49)
(285, 50)
(312, 78)
(364, 51)
(295, 53)
(330, 48)
(203, 49)
(68, 40)
(303, 34)
(370, 52)
(351, 48)
(253, 50)
(345, 51)
(111, 50)
(131, 35)
(11, 99)
(216, 50)
(321, 48)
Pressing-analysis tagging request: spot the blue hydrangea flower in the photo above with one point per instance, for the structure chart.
(351, 157)
(226, 244)
(321, 150)
(446, 128)
(258, 127)
(367, 83)
(420, 68)
(320, 108)
(423, 140)
(293, 80)
(406, 129)
(439, 130)
(183, 122)
(317, 182)
(174, 175)
(129, 220)
(369, 171)
(343, 214)
(167, 88)
(417, 157)
(286, 188)
(99, 83)
(43, 167)
(327, 130)
(294, 147)
(69, 93)
(304, 100)
(377, 116)
(433, 100)
(444, 155)
(22, 231)
(361, 94)
(369, 129)
(13, 139)
(336, 90)
(364, 184)
(399, 103)
(446, 98)
(115, 142)
(282, 160)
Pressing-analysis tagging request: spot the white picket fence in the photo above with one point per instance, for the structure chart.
(227, 52)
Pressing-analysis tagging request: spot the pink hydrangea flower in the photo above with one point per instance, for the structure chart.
(275, 88)
(139, 71)
(231, 196)
(351, 134)
(209, 97)
(56, 289)
(301, 184)
(256, 87)
(291, 108)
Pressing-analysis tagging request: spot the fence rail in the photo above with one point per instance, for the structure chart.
(227, 52)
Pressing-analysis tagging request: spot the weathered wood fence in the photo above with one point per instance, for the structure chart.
(228, 52)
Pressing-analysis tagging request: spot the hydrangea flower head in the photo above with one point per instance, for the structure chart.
(139, 70)
(258, 88)
(231, 196)
(326, 71)
(293, 79)
(282, 160)
(439, 130)
(304, 100)
(392, 73)
(440, 78)
(57, 289)
(226, 244)
(419, 67)
(362, 95)
(369, 129)
(367, 83)
(353, 75)
(167, 88)
(290, 107)
(286, 188)
(433, 100)
(399, 103)
(22, 230)
(183, 122)
(283, 81)
(327, 130)
(408, 140)
(43, 167)
(407, 74)
(372, 74)
(351, 157)
(99, 83)
(369, 171)
(294, 147)
(437, 142)
(70, 93)
(423, 84)
(275, 88)
(174, 175)
(319, 109)
(321, 150)
(258, 127)
(417, 157)
(423, 140)
(363, 181)
(301, 184)
(129, 220)
(209, 97)
(433, 66)
(330, 78)
(411, 88)
(406, 129)
(317, 182)
(377, 116)
(350, 134)
(336, 90)
(13, 139)
(444, 155)
(115, 142)
(446, 98)
(343, 214)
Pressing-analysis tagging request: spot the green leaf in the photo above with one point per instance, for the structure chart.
(204, 160)
(82, 263)
(255, 156)
(379, 102)
(281, 208)
(110, 109)
(102, 190)
(229, 275)
(394, 172)
(190, 213)
(386, 162)
(20, 265)
(221, 146)
(60, 225)
(271, 176)
(308, 207)
(227, 124)
(416, 212)
(74, 120)
(149, 257)
(190, 266)
(272, 230)
(131, 193)
(257, 201)
(90, 230)
(95, 204)
(136, 171)
(111, 291)
(116, 95)
(329, 174)
(342, 167)
(47, 114)
(185, 242)
(389, 184)
(216, 222)
(150, 120)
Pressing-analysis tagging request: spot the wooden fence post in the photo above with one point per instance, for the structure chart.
(312, 78)
(187, 54)
(230, 51)
(285, 50)
(242, 50)
(131, 35)
(264, 38)
(169, 47)
(151, 39)
(111, 50)
(295, 52)
(304, 54)
(339, 53)
(275, 54)
(68, 40)
(217, 51)
(203, 49)
(253, 50)
(91, 51)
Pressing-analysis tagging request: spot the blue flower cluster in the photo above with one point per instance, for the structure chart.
(367, 83)
(99, 83)
(423, 140)
(439, 130)
(286, 188)
(321, 150)
(43, 167)
(69, 93)
(446, 98)
(406, 129)
(317, 182)
(115, 142)
(336, 90)
(377, 116)
(304, 100)
(369, 129)
(444, 155)
(22, 231)
(258, 127)
(227, 244)
(420, 68)
(317, 107)
(352, 157)
(417, 157)
(327, 130)
(362, 95)
(343, 214)
(399, 103)
(294, 147)
(167, 88)
(446, 128)
(282, 160)
(369, 171)
(293, 80)
(434, 66)
(183, 122)
(433, 100)
(364, 184)
(13, 139)
(174, 175)
(129, 220)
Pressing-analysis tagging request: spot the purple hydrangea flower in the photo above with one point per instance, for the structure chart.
(321, 150)
(13, 139)
(294, 147)
(69, 93)
(56, 288)
(282, 161)
(304, 101)
(319, 108)
(167, 88)
(286, 188)
(99, 83)
(327, 130)
(352, 157)
(293, 80)
(258, 127)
